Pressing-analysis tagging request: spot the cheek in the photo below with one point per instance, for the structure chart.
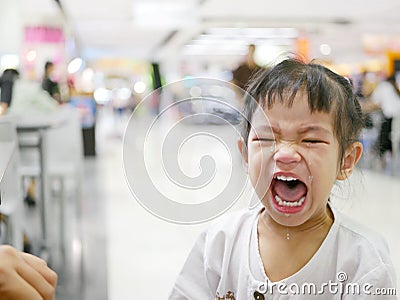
(254, 164)
(323, 159)
(260, 169)
(324, 170)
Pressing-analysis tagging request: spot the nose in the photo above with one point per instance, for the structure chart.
(285, 153)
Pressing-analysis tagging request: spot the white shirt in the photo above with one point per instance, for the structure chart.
(225, 261)
(387, 98)
(29, 98)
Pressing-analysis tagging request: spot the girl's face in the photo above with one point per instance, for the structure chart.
(293, 161)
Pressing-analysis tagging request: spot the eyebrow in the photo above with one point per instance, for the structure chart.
(265, 127)
(312, 128)
(302, 130)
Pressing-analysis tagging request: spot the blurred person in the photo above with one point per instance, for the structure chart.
(364, 86)
(6, 86)
(48, 84)
(363, 91)
(85, 104)
(24, 276)
(386, 97)
(29, 98)
(246, 69)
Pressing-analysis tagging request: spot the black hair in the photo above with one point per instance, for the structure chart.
(7, 80)
(327, 92)
(10, 74)
(48, 65)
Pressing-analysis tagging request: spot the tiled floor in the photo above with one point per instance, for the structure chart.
(129, 253)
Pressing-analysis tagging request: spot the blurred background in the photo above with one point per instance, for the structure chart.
(63, 159)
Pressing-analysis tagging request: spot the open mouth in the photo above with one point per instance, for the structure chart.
(288, 191)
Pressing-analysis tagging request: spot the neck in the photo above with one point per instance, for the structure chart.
(316, 226)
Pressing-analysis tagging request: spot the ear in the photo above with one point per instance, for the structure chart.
(243, 151)
(351, 156)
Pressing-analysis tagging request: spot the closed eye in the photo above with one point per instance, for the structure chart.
(264, 140)
(311, 141)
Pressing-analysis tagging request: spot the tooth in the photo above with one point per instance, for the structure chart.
(278, 199)
(284, 178)
(289, 203)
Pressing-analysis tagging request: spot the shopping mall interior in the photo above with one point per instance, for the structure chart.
(100, 173)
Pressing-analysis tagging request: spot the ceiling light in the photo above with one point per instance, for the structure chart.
(164, 14)
(235, 41)
(325, 49)
(102, 95)
(75, 65)
(139, 87)
(31, 55)
(88, 74)
(269, 54)
(255, 33)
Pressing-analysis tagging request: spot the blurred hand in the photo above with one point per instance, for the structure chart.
(24, 276)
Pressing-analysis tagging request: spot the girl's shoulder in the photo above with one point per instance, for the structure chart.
(362, 239)
(363, 254)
